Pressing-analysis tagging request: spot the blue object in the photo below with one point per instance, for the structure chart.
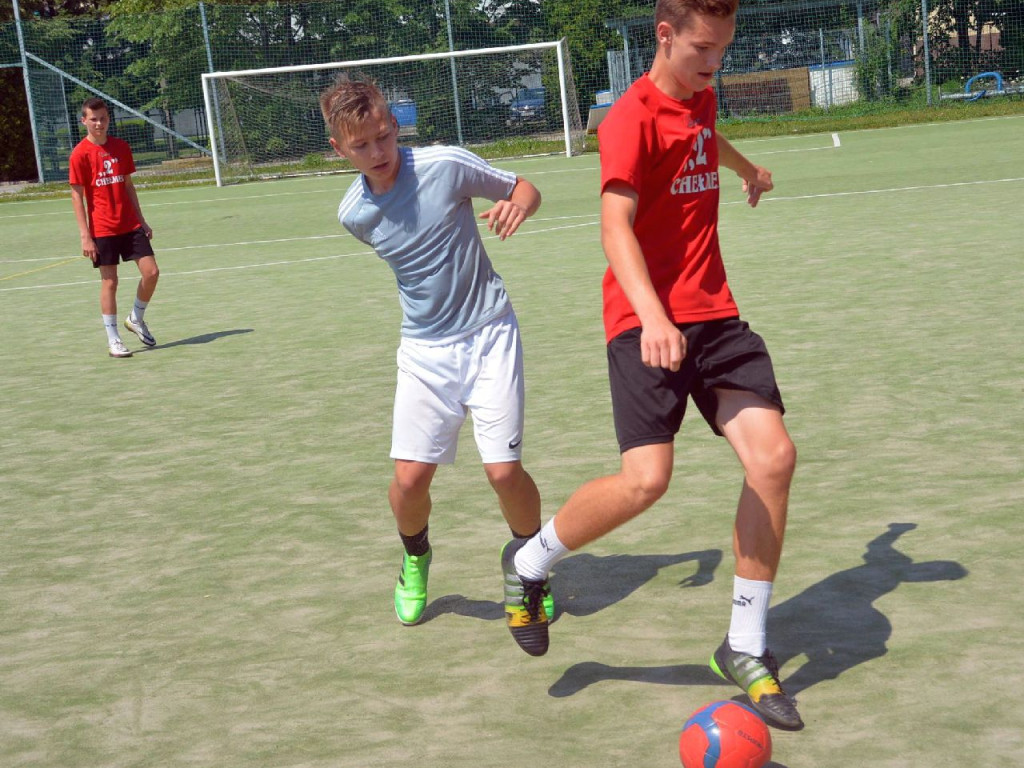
(973, 97)
(404, 111)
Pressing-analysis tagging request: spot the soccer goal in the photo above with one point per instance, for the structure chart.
(514, 101)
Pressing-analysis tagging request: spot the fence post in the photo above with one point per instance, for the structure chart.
(927, 53)
(455, 82)
(28, 91)
(860, 25)
(828, 91)
(209, 65)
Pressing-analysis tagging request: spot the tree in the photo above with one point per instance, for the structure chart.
(957, 31)
(46, 26)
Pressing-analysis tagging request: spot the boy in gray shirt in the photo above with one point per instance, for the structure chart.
(460, 351)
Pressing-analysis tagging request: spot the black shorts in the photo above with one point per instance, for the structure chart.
(648, 404)
(127, 247)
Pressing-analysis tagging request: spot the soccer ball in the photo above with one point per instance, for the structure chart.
(724, 734)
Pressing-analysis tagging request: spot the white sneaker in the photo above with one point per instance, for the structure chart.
(140, 329)
(118, 349)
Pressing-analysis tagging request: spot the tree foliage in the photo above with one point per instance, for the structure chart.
(151, 53)
(964, 39)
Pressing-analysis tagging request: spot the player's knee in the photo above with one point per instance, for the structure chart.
(411, 484)
(777, 464)
(647, 487)
(505, 476)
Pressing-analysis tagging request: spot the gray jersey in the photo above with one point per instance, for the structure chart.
(425, 229)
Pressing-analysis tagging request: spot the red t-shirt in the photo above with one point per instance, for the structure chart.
(103, 170)
(665, 149)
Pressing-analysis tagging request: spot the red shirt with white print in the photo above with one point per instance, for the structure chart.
(102, 170)
(665, 149)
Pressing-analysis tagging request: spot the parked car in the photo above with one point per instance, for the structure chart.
(528, 106)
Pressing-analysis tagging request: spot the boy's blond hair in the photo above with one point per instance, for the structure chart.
(677, 13)
(347, 103)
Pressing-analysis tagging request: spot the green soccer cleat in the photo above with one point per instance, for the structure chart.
(411, 589)
(525, 612)
(758, 676)
(548, 601)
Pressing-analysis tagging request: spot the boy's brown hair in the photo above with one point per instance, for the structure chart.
(348, 102)
(679, 12)
(93, 104)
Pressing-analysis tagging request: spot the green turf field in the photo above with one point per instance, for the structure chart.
(197, 557)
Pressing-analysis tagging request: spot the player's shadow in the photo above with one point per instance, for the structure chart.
(205, 338)
(584, 584)
(833, 623)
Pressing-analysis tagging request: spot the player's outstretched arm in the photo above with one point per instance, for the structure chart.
(505, 216)
(755, 178)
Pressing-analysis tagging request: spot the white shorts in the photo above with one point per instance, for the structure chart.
(439, 384)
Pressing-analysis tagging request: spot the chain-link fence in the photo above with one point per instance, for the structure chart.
(787, 57)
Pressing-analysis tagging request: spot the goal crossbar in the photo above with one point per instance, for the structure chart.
(385, 60)
(568, 112)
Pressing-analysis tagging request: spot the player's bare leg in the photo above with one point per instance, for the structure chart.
(517, 494)
(149, 275)
(108, 289)
(135, 321)
(519, 500)
(108, 308)
(602, 505)
(755, 430)
(594, 509)
(409, 495)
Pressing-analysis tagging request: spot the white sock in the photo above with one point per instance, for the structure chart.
(110, 325)
(534, 560)
(750, 600)
(139, 309)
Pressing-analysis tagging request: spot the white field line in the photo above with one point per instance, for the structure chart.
(950, 185)
(336, 190)
(262, 242)
(286, 262)
(592, 220)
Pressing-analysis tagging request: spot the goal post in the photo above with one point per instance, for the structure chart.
(507, 101)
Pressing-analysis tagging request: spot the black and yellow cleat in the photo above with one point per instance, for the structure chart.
(758, 676)
(525, 611)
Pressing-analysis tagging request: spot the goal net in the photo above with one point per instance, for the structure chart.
(502, 102)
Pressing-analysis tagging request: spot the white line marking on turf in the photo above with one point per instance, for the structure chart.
(787, 151)
(278, 241)
(200, 271)
(206, 245)
(594, 216)
(951, 185)
(225, 199)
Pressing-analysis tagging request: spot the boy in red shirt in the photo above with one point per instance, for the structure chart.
(673, 332)
(110, 221)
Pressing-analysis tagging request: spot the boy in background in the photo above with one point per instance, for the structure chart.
(674, 331)
(460, 351)
(111, 223)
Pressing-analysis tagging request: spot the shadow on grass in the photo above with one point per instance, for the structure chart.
(584, 584)
(205, 338)
(833, 623)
